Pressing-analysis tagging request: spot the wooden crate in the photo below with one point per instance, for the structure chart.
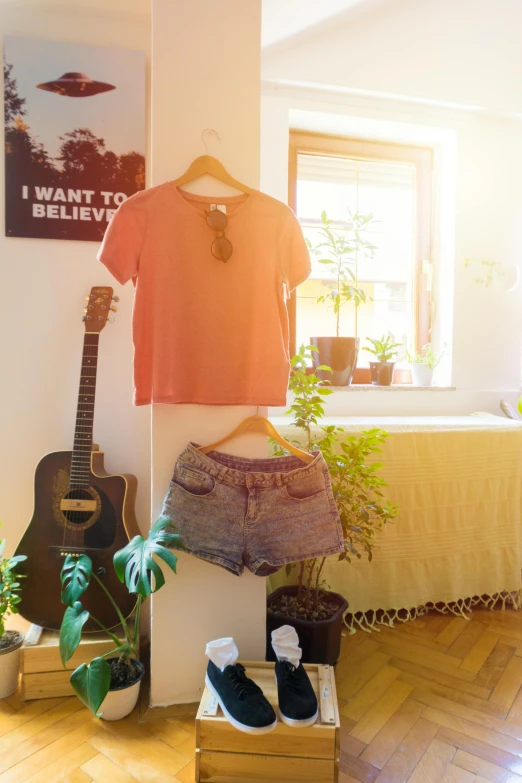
(286, 755)
(43, 675)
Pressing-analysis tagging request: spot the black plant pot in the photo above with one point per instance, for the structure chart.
(381, 373)
(339, 353)
(320, 641)
(386, 373)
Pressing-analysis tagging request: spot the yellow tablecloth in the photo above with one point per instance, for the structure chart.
(458, 484)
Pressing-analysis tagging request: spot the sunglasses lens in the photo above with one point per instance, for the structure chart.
(217, 220)
(222, 249)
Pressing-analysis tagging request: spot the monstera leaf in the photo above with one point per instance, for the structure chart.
(73, 621)
(91, 683)
(135, 563)
(75, 576)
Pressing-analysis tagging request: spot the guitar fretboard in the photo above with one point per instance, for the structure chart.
(81, 457)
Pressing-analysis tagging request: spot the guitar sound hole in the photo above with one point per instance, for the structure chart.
(77, 516)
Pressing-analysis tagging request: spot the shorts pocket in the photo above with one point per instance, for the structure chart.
(193, 481)
(306, 487)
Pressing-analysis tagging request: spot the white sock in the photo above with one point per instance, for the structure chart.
(222, 652)
(285, 643)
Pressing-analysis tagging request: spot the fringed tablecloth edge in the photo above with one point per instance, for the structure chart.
(368, 621)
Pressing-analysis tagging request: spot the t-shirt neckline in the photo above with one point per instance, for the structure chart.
(243, 200)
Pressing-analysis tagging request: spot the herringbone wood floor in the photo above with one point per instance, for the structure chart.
(435, 700)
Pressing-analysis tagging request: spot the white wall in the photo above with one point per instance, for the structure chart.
(43, 287)
(204, 75)
(351, 75)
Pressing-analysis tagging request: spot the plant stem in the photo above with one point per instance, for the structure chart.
(137, 621)
(317, 581)
(308, 584)
(115, 605)
(112, 636)
(338, 316)
(300, 581)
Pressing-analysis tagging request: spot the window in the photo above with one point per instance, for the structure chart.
(392, 183)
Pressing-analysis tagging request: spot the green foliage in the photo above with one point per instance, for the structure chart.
(75, 576)
(91, 682)
(384, 350)
(134, 565)
(340, 252)
(486, 270)
(426, 356)
(356, 484)
(10, 586)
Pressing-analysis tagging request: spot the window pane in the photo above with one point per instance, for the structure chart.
(386, 191)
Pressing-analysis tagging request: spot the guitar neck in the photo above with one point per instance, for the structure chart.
(81, 457)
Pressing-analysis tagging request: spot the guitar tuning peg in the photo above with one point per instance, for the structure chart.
(116, 298)
(114, 309)
(111, 318)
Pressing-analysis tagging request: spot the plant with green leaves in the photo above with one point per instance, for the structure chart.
(10, 586)
(425, 356)
(356, 484)
(135, 565)
(384, 350)
(340, 252)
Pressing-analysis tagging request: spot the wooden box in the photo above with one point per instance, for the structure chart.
(43, 675)
(286, 755)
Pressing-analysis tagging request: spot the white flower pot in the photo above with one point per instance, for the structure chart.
(10, 669)
(421, 375)
(120, 702)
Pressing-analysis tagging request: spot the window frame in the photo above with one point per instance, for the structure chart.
(308, 143)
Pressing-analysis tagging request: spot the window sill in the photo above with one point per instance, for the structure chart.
(395, 387)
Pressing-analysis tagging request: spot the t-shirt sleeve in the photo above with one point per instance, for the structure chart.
(121, 247)
(295, 256)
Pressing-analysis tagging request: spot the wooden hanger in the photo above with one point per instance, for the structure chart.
(265, 427)
(206, 164)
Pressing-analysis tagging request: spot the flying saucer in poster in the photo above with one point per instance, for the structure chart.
(76, 85)
(70, 163)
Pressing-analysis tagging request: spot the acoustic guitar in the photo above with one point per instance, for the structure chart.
(79, 508)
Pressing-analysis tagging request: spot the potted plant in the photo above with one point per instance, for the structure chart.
(384, 350)
(423, 363)
(10, 641)
(314, 611)
(339, 251)
(109, 685)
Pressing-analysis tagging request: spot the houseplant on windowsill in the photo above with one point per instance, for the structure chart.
(423, 363)
(339, 252)
(109, 685)
(10, 641)
(315, 612)
(385, 351)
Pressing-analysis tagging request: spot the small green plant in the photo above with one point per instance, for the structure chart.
(384, 350)
(340, 251)
(356, 485)
(425, 356)
(10, 587)
(486, 270)
(134, 565)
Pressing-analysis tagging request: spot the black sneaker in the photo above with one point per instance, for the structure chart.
(241, 700)
(297, 699)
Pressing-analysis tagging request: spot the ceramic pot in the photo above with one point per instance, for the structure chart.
(320, 641)
(10, 668)
(121, 701)
(339, 353)
(421, 375)
(374, 373)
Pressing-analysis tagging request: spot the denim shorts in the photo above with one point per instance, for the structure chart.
(258, 513)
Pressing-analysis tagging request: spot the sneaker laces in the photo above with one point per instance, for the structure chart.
(242, 685)
(290, 677)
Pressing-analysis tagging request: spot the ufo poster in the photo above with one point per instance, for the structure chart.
(74, 136)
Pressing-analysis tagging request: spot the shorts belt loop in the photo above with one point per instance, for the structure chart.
(222, 472)
(279, 480)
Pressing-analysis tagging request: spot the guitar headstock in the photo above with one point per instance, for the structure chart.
(99, 305)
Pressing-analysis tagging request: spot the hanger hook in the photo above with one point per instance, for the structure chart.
(208, 130)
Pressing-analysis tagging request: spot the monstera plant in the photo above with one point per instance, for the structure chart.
(109, 684)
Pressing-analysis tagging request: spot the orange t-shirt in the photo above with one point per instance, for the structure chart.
(206, 331)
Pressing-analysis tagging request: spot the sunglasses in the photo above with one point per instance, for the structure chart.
(221, 247)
